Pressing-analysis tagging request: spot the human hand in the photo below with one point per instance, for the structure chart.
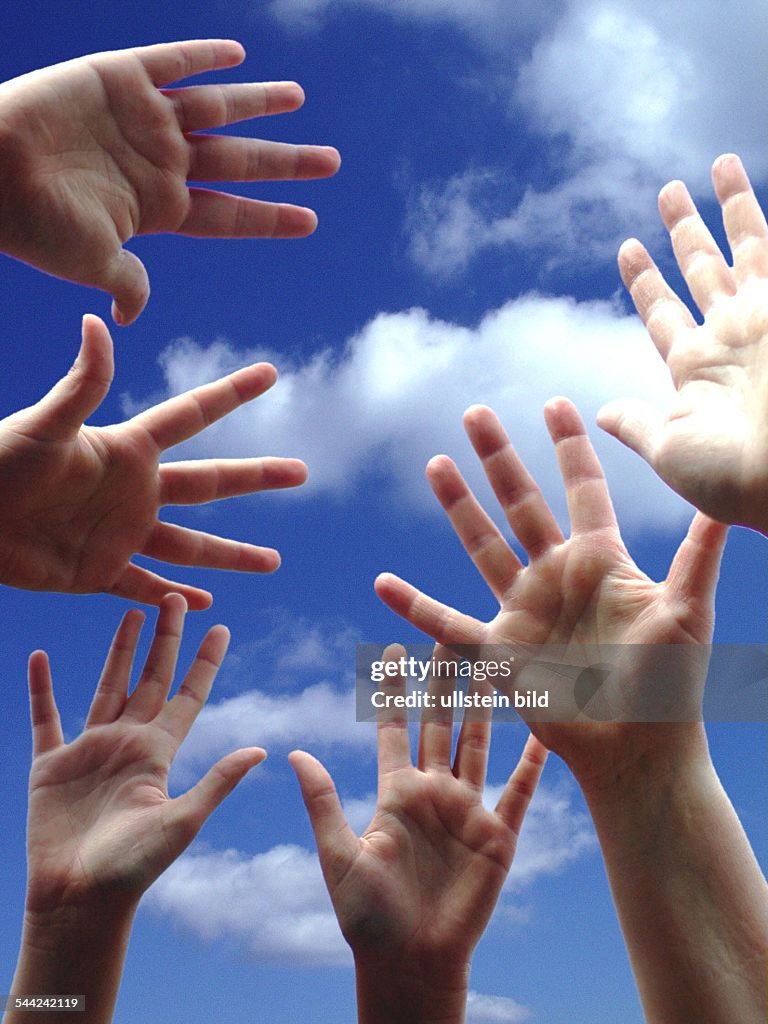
(583, 591)
(77, 502)
(712, 446)
(93, 152)
(413, 894)
(101, 825)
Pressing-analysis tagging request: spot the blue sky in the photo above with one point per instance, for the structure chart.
(492, 164)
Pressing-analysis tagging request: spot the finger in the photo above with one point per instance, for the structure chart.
(112, 690)
(157, 675)
(138, 584)
(662, 312)
(474, 742)
(637, 425)
(522, 501)
(442, 623)
(229, 158)
(744, 221)
(436, 732)
(394, 745)
(44, 715)
(221, 215)
(179, 714)
(211, 106)
(493, 557)
(522, 784)
(170, 62)
(204, 480)
(701, 263)
(125, 278)
(182, 417)
(589, 503)
(62, 412)
(337, 844)
(190, 811)
(696, 566)
(181, 546)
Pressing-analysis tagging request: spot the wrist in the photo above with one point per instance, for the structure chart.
(642, 758)
(422, 990)
(82, 926)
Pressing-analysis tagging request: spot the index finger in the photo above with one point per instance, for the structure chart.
(182, 417)
(169, 62)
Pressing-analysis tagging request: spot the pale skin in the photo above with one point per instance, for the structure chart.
(414, 893)
(101, 825)
(690, 895)
(93, 151)
(77, 502)
(712, 446)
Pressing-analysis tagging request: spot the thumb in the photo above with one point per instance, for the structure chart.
(192, 809)
(337, 844)
(72, 400)
(127, 282)
(634, 423)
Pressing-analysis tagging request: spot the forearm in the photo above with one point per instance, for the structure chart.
(71, 952)
(411, 994)
(691, 898)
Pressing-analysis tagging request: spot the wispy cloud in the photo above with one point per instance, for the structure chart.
(318, 717)
(484, 1009)
(618, 98)
(275, 904)
(393, 396)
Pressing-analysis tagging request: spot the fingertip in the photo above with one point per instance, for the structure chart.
(439, 464)
(257, 754)
(310, 218)
(37, 658)
(198, 600)
(562, 418)
(385, 581)
(477, 413)
(175, 601)
(394, 652)
(334, 158)
(270, 560)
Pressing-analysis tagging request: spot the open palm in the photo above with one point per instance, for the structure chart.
(583, 592)
(423, 879)
(712, 446)
(100, 818)
(95, 153)
(77, 502)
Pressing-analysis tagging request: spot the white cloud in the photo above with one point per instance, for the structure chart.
(318, 717)
(483, 1009)
(275, 904)
(480, 18)
(626, 97)
(393, 397)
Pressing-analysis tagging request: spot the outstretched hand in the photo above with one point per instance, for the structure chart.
(581, 591)
(77, 502)
(415, 892)
(93, 152)
(101, 825)
(712, 447)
